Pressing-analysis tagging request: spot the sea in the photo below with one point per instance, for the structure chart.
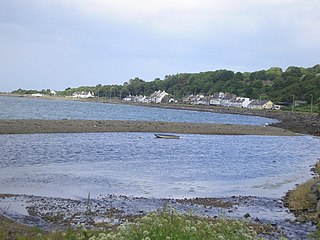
(71, 165)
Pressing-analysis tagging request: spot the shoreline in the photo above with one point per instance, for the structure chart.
(51, 213)
(22, 126)
(295, 122)
(290, 124)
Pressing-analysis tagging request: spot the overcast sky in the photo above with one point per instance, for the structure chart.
(69, 43)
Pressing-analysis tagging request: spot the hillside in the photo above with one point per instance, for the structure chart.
(275, 84)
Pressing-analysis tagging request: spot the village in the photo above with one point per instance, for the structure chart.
(217, 99)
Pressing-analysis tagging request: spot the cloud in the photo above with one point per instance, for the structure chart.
(104, 41)
(192, 15)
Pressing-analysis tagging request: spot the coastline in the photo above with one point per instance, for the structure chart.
(290, 124)
(90, 126)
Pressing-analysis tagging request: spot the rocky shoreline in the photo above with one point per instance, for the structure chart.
(110, 210)
(50, 213)
(292, 122)
(297, 122)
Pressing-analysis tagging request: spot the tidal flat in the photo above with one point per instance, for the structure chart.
(249, 205)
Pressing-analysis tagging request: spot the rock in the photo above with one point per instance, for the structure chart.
(315, 189)
(318, 207)
(247, 215)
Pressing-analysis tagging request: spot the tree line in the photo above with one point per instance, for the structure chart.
(275, 84)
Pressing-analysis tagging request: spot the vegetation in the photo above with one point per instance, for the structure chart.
(22, 91)
(302, 201)
(295, 83)
(162, 225)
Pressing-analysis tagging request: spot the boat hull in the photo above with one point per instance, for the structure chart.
(167, 136)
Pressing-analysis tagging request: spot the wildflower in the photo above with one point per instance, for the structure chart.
(101, 235)
(193, 229)
(186, 229)
(220, 237)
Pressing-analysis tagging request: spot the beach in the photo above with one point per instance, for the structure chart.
(124, 207)
(79, 126)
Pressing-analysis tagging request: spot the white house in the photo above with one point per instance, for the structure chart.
(245, 101)
(157, 96)
(127, 98)
(36, 95)
(264, 104)
(83, 95)
(237, 103)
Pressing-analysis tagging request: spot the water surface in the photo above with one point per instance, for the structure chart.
(71, 165)
(37, 108)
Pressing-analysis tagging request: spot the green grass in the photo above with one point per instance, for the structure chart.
(164, 225)
(302, 108)
(171, 225)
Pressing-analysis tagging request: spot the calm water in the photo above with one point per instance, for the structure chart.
(72, 165)
(31, 108)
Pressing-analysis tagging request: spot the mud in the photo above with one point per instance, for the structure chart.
(57, 213)
(79, 126)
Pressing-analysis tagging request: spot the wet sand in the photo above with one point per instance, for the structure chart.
(79, 126)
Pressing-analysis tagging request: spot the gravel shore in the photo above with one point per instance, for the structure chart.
(78, 126)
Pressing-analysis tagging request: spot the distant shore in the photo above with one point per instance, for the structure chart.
(291, 122)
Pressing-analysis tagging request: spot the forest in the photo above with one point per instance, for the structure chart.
(274, 84)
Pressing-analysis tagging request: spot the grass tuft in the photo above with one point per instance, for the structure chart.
(164, 225)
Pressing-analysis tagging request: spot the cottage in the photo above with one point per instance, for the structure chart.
(237, 103)
(127, 98)
(83, 95)
(37, 95)
(158, 96)
(265, 104)
(227, 98)
(201, 100)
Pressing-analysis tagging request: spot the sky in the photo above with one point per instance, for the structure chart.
(56, 44)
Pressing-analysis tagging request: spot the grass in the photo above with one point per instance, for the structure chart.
(164, 225)
(302, 202)
(12, 230)
(303, 108)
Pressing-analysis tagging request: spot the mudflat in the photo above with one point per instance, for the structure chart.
(78, 126)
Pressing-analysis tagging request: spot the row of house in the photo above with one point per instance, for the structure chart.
(156, 97)
(217, 99)
(229, 100)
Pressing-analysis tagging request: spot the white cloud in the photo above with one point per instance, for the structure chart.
(151, 38)
(185, 17)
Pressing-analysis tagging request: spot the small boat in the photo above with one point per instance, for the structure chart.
(168, 136)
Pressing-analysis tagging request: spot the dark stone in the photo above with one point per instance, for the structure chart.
(315, 189)
(247, 215)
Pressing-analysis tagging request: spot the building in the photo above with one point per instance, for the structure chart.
(265, 104)
(83, 95)
(158, 97)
